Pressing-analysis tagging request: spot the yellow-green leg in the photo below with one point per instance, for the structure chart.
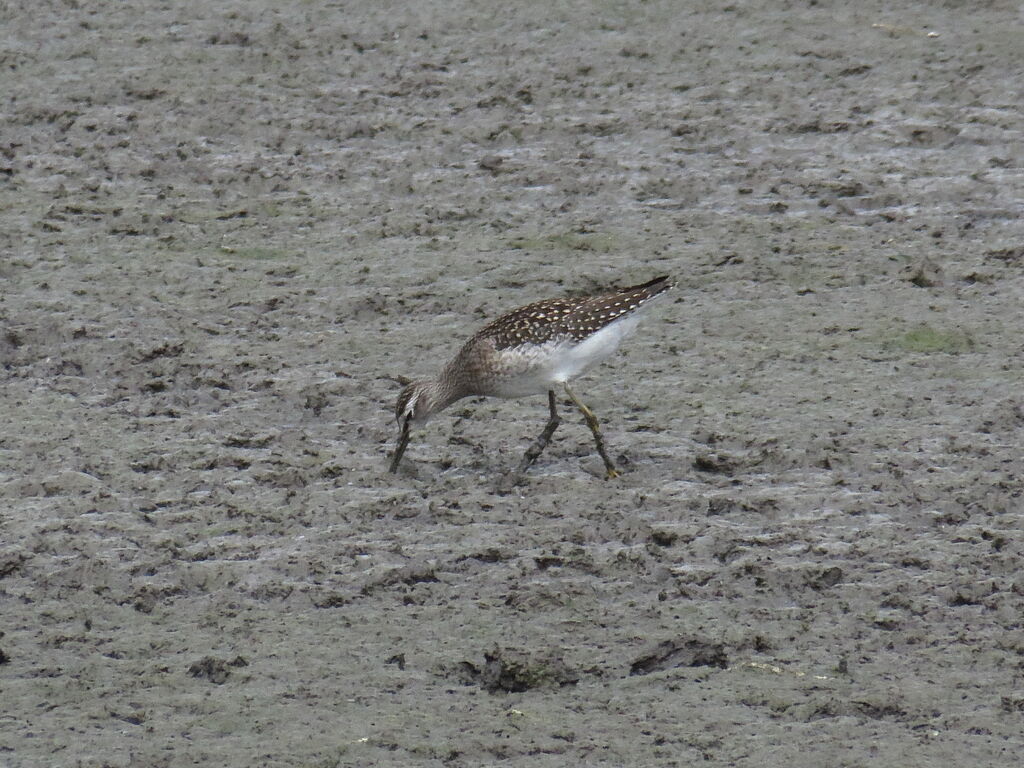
(595, 428)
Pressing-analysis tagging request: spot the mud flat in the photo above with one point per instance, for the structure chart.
(226, 229)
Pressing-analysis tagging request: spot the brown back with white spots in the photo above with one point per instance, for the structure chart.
(568, 318)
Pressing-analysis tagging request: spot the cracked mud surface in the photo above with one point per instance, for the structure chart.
(227, 228)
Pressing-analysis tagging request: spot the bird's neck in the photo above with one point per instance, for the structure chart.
(445, 390)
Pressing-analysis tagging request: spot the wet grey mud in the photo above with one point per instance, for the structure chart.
(228, 228)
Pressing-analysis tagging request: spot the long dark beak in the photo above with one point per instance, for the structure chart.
(403, 440)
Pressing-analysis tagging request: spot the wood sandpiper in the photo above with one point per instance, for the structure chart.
(530, 351)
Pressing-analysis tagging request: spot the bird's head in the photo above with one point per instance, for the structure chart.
(416, 403)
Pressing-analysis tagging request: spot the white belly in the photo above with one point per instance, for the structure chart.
(535, 370)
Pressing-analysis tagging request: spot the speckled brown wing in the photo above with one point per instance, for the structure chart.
(533, 324)
(572, 318)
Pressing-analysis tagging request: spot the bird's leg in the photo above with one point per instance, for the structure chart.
(535, 450)
(512, 479)
(403, 440)
(596, 429)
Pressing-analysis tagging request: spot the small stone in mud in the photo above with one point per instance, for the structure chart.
(516, 671)
(664, 538)
(145, 600)
(684, 652)
(215, 670)
(491, 162)
(1014, 702)
(713, 462)
(828, 577)
(720, 505)
(924, 274)
(398, 660)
